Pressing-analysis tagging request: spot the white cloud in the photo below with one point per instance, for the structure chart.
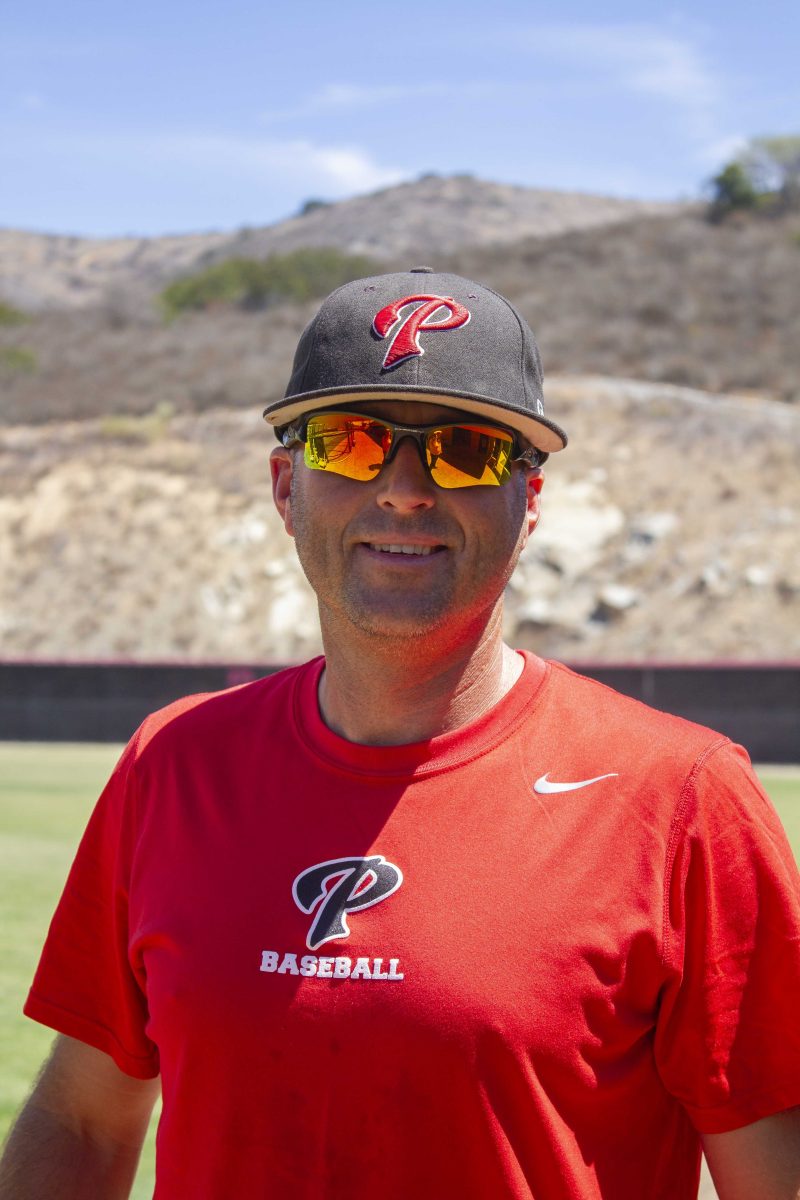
(347, 97)
(352, 170)
(652, 62)
(334, 170)
(344, 97)
(646, 61)
(641, 59)
(715, 154)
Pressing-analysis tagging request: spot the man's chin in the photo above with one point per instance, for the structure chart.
(407, 622)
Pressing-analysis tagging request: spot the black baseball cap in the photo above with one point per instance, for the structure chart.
(416, 334)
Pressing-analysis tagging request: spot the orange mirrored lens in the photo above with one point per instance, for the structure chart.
(469, 456)
(349, 446)
(457, 455)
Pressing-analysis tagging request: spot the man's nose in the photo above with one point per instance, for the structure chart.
(404, 484)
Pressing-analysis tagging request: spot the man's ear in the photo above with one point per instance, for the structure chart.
(534, 484)
(281, 467)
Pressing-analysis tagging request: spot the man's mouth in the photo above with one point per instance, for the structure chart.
(400, 548)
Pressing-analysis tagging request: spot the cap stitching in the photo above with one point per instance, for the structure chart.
(518, 320)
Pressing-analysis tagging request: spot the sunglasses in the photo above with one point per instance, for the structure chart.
(457, 456)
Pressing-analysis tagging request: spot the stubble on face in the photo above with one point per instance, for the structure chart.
(483, 533)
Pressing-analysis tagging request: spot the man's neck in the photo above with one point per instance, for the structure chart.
(392, 694)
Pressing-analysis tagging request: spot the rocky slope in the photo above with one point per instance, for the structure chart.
(669, 531)
(135, 517)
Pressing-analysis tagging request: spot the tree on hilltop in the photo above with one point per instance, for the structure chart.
(765, 176)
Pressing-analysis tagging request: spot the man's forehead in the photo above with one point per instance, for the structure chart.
(412, 412)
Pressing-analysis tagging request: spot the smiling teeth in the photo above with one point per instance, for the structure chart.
(392, 549)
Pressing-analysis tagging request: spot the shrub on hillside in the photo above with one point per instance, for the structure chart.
(312, 205)
(10, 315)
(18, 360)
(732, 190)
(253, 284)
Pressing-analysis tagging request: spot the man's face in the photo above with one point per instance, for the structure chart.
(398, 555)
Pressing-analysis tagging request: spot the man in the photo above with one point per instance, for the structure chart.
(426, 917)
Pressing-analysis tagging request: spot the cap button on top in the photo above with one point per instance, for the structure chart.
(421, 271)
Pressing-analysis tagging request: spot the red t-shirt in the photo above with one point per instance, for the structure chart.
(434, 969)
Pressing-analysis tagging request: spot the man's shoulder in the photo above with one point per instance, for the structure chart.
(595, 708)
(214, 717)
(657, 758)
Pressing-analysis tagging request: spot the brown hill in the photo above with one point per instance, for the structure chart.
(666, 299)
(135, 519)
(432, 215)
(674, 299)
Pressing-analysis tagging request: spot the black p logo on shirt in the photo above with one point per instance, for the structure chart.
(362, 882)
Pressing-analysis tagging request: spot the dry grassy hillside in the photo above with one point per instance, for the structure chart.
(667, 299)
(432, 215)
(673, 300)
(135, 519)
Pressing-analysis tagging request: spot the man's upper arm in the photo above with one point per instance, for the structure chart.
(759, 1161)
(85, 1089)
(80, 1132)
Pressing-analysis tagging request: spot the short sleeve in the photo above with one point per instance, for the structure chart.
(728, 1035)
(85, 985)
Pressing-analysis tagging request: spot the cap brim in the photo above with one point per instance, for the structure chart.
(538, 430)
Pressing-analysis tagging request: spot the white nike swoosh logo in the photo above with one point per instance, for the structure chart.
(545, 785)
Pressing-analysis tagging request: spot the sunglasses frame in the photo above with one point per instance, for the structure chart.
(296, 434)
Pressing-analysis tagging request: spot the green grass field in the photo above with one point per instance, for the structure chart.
(46, 795)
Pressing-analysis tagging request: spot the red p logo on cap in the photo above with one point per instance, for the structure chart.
(405, 339)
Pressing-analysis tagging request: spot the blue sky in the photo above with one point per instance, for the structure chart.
(174, 117)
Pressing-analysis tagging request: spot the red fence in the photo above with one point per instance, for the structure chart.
(757, 704)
